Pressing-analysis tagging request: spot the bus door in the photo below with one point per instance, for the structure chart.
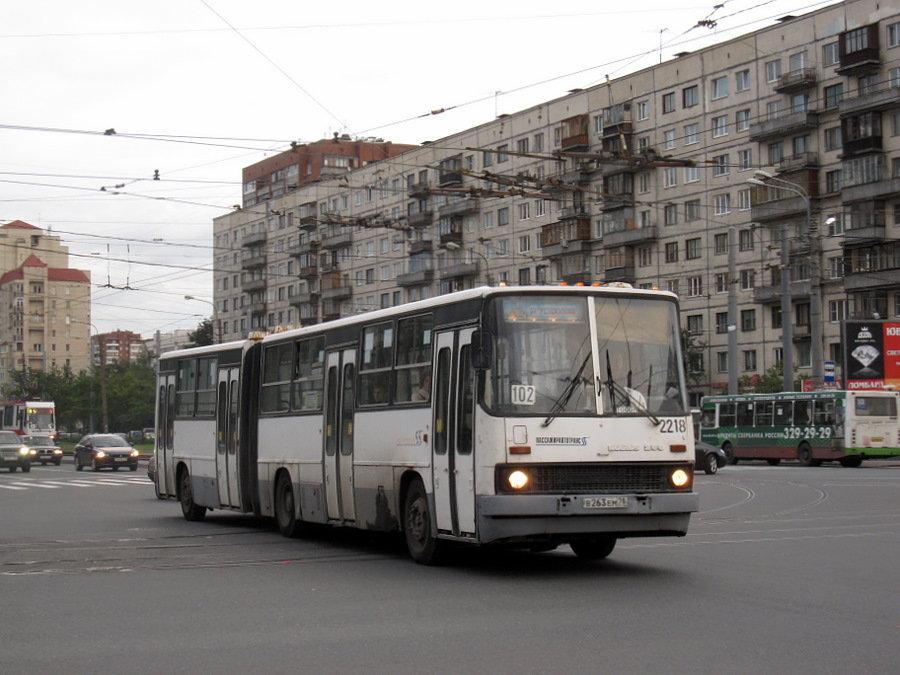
(165, 435)
(453, 463)
(227, 401)
(340, 398)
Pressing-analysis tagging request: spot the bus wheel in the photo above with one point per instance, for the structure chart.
(191, 511)
(594, 548)
(729, 454)
(851, 461)
(423, 546)
(804, 455)
(285, 508)
(773, 461)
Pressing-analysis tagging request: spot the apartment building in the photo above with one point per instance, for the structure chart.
(46, 304)
(765, 168)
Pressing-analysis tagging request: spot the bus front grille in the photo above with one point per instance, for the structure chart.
(593, 478)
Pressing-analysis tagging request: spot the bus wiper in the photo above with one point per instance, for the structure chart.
(563, 400)
(626, 394)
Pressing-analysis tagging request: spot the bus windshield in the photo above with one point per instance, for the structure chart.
(547, 361)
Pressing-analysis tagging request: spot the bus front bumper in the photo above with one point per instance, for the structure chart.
(523, 517)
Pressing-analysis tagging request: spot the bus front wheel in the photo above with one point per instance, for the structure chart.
(729, 453)
(189, 509)
(423, 546)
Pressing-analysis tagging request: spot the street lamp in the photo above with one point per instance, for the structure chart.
(766, 179)
(215, 315)
(453, 246)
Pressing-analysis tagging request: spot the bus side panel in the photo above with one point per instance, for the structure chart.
(389, 443)
(293, 443)
(195, 447)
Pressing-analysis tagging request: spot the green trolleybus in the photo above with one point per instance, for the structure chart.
(811, 427)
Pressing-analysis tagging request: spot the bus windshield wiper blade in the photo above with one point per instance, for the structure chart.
(562, 401)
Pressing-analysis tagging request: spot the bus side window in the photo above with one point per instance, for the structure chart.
(764, 414)
(782, 414)
(745, 414)
(824, 413)
(726, 414)
(801, 413)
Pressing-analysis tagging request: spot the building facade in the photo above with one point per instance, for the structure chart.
(45, 322)
(121, 346)
(765, 169)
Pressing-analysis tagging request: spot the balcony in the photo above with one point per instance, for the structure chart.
(798, 80)
(804, 160)
(417, 278)
(417, 190)
(868, 280)
(574, 133)
(449, 179)
(575, 278)
(254, 238)
(862, 145)
(254, 261)
(630, 237)
(451, 238)
(784, 125)
(624, 274)
(421, 246)
(771, 295)
(459, 207)
(565, 236)
(778, 209)
(460, 269)
(308, 246)
(337, 240)
(877, 100)
(869, 191)
(308, 272)
(337, 292)
(421, 219)
(859, 61)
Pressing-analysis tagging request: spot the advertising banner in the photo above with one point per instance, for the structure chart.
(871, 352)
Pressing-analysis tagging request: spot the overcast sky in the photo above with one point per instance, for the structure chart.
(198, 89)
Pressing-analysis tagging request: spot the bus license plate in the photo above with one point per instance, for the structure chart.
(605, 502)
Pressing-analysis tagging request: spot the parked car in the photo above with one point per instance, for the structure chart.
(43, 449)
(13, 452)
(708, 457)
(105, 450)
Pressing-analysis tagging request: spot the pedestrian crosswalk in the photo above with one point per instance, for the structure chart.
(16, 484)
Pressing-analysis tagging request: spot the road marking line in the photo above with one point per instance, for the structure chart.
(12, 487)
(36, 484)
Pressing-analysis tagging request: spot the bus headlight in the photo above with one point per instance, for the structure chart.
(679, 478)
(518, 480)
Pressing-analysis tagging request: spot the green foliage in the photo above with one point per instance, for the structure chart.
(692, 352)
(770, 382)
(130, 396)
(202, 335)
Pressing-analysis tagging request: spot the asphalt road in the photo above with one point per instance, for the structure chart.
(785, 570)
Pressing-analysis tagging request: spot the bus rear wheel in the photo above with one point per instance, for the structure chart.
(594, 548)
(804, 455)
(423, 546)
(729, 453)
(189, 509)
(286, 508)
(851, 461)
(773, 461)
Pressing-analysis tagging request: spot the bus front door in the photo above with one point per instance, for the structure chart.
(227, 395)
(453, 447)
(338, 442)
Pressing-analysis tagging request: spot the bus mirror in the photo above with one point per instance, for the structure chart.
(482, 350)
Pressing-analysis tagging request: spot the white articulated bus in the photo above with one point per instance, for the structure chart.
(529, 416)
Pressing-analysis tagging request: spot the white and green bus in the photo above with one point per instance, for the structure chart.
(811, 427)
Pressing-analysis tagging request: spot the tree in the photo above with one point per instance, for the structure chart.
(202, 335)
(692, 353)
(770, 382)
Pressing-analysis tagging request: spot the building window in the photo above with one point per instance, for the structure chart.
(690, 96)
(671, 214)
(800, 145)
(695, 287)
(830, 54)
(748, 320)
(800, 103)
(744, 199)
(668, 102)
(719, 87)
(643, 110)
(722, 362)
(669, 139)
(693, 249)
(670, 176)
(645, 256)
(524, 211)
(721, 322)
(524, 244)
(720, 243)
(833, 138)
(720, 126)
(776, 152)
(749, 358)
(695, 324)
(721, 282)
(868, 84)
(692, 210)
(691, 134)
(748, 280)
(539, 142)
(671, 253)
(503, 216)
(893, 32)
(773, 71)
(834, 95)
(745, 159)
(720, 165)
(722, 204)
(691, 174)
(742, 120)
(742, 80)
